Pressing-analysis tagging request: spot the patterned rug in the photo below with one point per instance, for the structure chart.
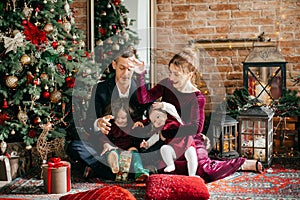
(280, 181)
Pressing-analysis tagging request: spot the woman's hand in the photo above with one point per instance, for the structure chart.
(157, 105)
(107, 147)
(103, 124)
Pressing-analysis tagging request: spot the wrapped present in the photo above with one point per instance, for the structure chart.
(124, 166)
(57, 176)
(5, 171)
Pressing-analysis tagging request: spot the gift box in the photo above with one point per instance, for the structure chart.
(5, 171)
(125, 161)
(57, 176)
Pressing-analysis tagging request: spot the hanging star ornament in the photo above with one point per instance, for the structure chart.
(11, 44)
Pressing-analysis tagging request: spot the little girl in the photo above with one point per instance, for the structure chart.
(166, 121)
(120, 138)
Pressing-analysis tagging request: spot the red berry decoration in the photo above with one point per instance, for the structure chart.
(24, 22)
(54, 44)
(32, 133)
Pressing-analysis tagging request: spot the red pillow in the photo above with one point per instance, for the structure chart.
(109, 192)
(175, 187)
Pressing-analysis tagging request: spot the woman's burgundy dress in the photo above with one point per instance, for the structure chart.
(190, 107)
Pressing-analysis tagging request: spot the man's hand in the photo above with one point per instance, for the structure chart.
(103, 124)
(107, 147)
(136, 65)
(144, 144)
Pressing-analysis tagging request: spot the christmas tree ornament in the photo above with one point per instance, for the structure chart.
(109, 41)
(108, 5)
(25, 59)
(37, 120)
(3, 147)
(22, 116)
(103, 13)
(28, 147)
(99, 43)
(3, 118)
(44, 76)
(54, 44)
(32, 133)
(11, 44)
(116, 47)
(5, 104)
(27, 12)
(81, 44)
(60, 49)
(37, 81)
(13, 132)
(48, 28)
(67, 26)
(46, 94)
(55, 96)
(11, 81)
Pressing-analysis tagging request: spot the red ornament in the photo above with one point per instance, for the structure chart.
(24, 22)
(37, 81)
(4, 117)
(75, 42)
(5, 104)
(59, 21)
(70, 82)
(32, 133)
(102, 31)
(46, 94)
(54, 44)
(36, 121)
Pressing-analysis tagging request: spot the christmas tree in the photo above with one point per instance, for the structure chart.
(41, 54)
(112, 33)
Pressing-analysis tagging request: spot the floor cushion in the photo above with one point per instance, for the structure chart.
(175, 187)
(104, 193)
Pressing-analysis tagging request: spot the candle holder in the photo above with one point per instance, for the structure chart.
(225, 137)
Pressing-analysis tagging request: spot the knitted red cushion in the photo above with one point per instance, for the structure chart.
(175, 187)
(109, 192)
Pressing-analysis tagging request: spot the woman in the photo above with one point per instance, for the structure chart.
(179, 90)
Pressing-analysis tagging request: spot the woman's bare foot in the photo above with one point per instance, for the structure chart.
(253, 165)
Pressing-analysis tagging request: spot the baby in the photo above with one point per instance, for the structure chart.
(165, 119)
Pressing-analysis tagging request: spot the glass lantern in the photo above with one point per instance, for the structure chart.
(225, 137)
(264, 74)
(256, 134)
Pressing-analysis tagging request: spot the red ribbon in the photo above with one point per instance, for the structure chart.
(57, 163)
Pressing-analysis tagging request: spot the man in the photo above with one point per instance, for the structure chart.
(97, 121)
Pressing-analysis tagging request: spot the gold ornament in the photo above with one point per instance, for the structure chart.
(11, 82)
(55, 96)
(48, 28)
(44, 76)
(13, 132)
(25, 60)
(22, 116)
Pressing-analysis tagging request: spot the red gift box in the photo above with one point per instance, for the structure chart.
(57, 176)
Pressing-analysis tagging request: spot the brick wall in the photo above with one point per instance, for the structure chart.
(179, 21)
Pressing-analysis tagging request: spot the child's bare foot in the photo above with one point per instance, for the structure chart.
(113, 161)
(169, 168)
(253, 165)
